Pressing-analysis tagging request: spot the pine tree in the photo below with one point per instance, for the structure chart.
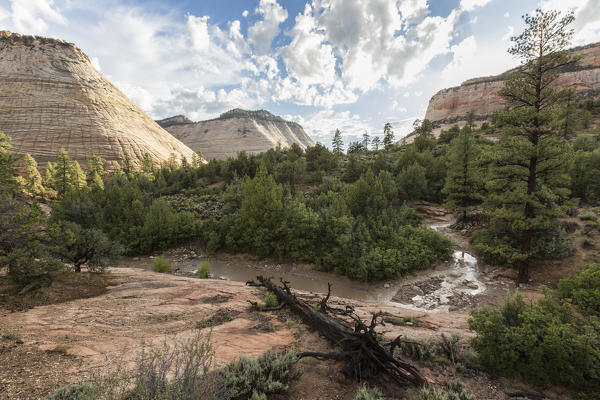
(197, 159)
(96, 183)
(127, 166)
(49, 173)
(147, 164)
(388, 135)
(527, 177)
(8, 172)
(366, 141)
(61, 177)
(569, 119)
(31, 176)
(376, 141)
(77, 177)
(338, 144)
(464, 180)
(96, 165)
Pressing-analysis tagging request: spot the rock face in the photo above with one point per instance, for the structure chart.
(480, 95)
(236, 130)
(51, 97)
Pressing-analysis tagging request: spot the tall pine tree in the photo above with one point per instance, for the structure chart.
(388, 135)
(32, 178)
(464, 180)
(338, 144)
(527, 180)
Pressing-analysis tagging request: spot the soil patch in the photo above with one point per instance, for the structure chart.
(66, 287)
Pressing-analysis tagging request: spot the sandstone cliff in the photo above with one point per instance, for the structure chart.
(51, 97)
(480, 95)
(236, 130)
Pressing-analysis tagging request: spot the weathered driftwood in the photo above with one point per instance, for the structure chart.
(364, 355)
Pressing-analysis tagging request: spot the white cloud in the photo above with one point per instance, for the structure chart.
(245, 13)
(470, 5)
(322, 124)
(307, 58)
(34, 15)
(397, 107)
(507, 15)
(587, 18)
(96, 63)
(510, 32)
(198, 27)
(262, 33)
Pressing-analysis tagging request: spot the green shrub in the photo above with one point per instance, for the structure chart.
(78, 391)
(204, 270)
(453, 390)
(161, 265)
(364, 393)
(177, 372)
(583, 289)
(444, 350)
(269, 374)
(271, 300)
(545, 342)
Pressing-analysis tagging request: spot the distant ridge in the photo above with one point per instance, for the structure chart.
(237, 130)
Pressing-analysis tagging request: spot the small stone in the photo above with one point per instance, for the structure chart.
(136, 259)
(386, 285)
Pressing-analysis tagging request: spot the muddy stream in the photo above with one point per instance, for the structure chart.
(451, 285)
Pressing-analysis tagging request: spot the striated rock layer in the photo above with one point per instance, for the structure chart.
(237, 130)
(51, 97)
(480, 95)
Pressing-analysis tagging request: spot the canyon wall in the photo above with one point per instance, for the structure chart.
(480, 95)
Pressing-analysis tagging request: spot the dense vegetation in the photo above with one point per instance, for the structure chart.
(549, 341)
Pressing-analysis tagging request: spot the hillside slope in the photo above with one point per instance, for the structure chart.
(237, 130)
(51, 97)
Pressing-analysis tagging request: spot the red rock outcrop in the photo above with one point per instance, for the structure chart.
(480, 95)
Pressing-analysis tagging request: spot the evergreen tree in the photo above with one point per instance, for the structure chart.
(31, 175)
(388, 135)
(49, 173)
(338, 144)
(527, 179)
(8, 173)
(366, 141)
(376, 142)
(96, 165)
(464, 179)
(127, 167)
(61, 176)
(569, 119)
(147, 164)
(77, 177)
(96, 183)
(197, 159)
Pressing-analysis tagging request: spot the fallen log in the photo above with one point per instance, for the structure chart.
(359, 347)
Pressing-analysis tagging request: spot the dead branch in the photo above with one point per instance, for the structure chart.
(359, 346)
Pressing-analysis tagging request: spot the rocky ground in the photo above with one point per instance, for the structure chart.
(51, 345)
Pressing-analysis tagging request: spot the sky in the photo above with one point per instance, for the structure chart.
(351, 65)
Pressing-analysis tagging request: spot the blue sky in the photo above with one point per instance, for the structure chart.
(327, 64)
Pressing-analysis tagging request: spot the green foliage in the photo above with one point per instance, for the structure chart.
(79, 246)
(177, 372)
(583, 289)
(203, 271)
(464, 178)
(8, 173)
(546, 342)
(161, 265)
(77, 391)
(269, 374)
(337, 142)
(32, 179)
(452, 390)
(271, 300)
(388, 136)
(364, 393)
(527, 180)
